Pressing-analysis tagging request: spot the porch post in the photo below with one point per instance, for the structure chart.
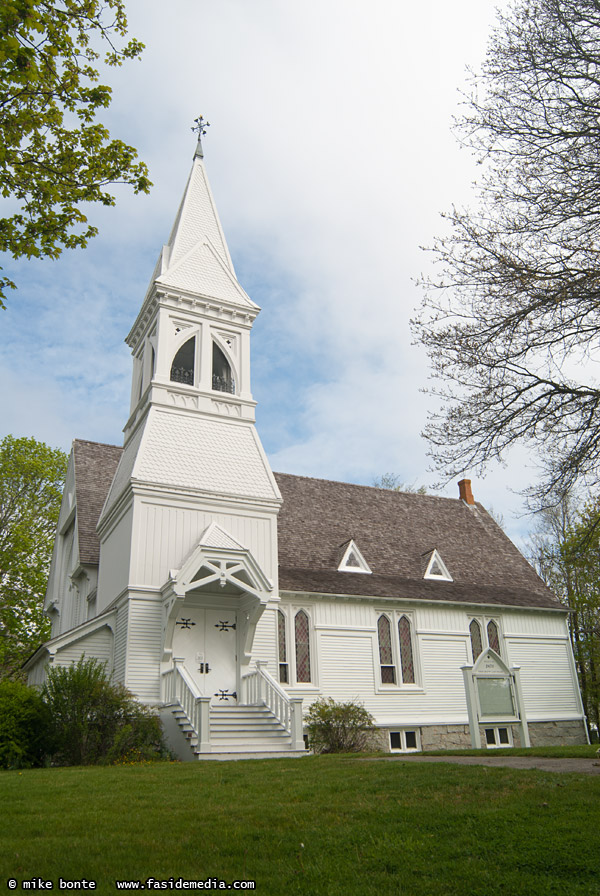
(516, 673)
(296, 723)
(203, 721)
(467, 672)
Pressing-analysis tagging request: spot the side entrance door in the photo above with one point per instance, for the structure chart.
(206, 640)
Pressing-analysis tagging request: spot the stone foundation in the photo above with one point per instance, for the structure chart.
(457, 737)
(545, 734)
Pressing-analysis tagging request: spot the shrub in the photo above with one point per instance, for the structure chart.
(96, 721)
(340, 727)
(24, 726)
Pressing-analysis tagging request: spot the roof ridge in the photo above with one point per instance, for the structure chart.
(99, 444)
(375, 488)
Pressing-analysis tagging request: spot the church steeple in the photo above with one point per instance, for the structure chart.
(191, 424)
(191, 338)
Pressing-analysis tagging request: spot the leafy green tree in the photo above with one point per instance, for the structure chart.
(55, 157)
(566, 551)
(31, 481)
(511, 311)
(95, 721)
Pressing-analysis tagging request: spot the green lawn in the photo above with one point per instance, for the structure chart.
(318, 825)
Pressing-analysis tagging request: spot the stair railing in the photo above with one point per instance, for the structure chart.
(259, 687)
(179, 687)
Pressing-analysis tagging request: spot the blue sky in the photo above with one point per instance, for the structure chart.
(330, 156)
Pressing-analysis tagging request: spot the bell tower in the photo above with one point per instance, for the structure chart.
(192, 462)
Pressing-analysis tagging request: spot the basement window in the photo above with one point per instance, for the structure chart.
(498, 737)
(404, 741)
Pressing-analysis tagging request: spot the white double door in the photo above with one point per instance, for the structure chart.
(206, 639)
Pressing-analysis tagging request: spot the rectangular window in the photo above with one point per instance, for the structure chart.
(498, 737)
(404, 741)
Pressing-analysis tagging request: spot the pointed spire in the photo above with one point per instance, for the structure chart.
(200, 126)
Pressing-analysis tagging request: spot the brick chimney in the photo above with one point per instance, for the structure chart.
(464, 491)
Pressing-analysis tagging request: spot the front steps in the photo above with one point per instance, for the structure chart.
(239, 732)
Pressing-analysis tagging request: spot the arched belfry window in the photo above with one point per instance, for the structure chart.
(222, 377)
(302, 637)
(386, 659)
(476, 643)
(493, 636)
(406, 651)
(182, 368)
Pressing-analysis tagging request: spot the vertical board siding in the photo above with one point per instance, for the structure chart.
(121, 642)
(344, 614)
(99, 645)
(546, 678)
(144, 654)
(166, 536)
(535, 624)
(115, 555)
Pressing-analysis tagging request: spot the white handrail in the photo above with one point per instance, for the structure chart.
(260, 687)
(179, 687)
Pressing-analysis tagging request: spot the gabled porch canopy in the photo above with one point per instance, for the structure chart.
(217, 565)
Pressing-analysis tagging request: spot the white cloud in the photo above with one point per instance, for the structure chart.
(330, 157)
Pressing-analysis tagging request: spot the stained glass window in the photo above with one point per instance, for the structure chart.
(388, 670)
(475, 630)
(182, 368)
(493, 638)
(406, 654)
(302, 633)
(283, 666)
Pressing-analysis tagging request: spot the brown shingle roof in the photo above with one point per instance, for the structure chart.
(95, 466)
(393, 531)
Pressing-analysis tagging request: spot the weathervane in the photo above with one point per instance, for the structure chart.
(200, 126)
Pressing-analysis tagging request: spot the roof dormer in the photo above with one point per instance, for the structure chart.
(436, 568)
(352, 559)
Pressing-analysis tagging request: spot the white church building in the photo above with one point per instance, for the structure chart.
(231, 597)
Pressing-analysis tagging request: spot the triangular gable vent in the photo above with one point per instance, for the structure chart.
(353, 560)
(437, 569)
(216, 537)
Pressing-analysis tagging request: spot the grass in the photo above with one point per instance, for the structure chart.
(318, 825)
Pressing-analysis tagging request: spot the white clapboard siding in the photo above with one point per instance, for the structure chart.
(144, 654)
(265, 640)
(345, 665)
(166, 536)
(546, 678)
(430, 618)
(98, 644)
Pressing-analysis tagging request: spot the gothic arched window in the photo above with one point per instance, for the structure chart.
(222, 377)
(302, 636)
(475, 631)
(182, 368)
(281, 640)
(386, 658)
(493, 636)
(406, 651)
